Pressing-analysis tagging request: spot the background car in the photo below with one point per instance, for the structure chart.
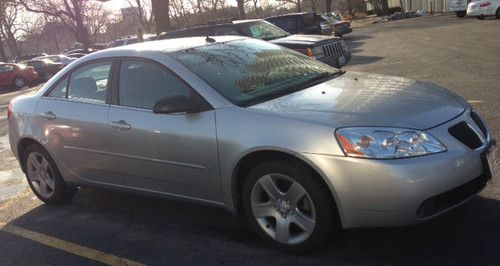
(339, 27)
(76, 55)
(484, 8)
(45, 68)
(80, 51)
(300, 23)
(28, 57)
(327, 49)
(59, 58)
(17, 75)
(131, 40)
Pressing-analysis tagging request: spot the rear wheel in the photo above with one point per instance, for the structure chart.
(480, 17)
(287, 207)
(19, 82)
(44, 178)
(461, 14)
(497, 14)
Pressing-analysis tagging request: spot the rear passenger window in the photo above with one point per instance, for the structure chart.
(286, 23)
(89, 83)
(143, 84)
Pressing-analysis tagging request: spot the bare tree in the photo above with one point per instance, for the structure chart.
(296, 3)
(328, 4)
(160, 9)
(241, 7)
(9, 24)
(141, 7)
(96, 17)
(72, 13)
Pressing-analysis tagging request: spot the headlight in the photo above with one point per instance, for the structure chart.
(318, 52)
(387, 143)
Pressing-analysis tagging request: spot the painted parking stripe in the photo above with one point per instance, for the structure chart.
(59, 244)
(474, 101)
(66, 246)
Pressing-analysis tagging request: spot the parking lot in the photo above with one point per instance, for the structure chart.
(99, 226)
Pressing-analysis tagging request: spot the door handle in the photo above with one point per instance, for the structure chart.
(49, 115)
(122, 125)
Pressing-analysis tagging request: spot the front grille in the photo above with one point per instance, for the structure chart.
(466, 135)
(332, 49)
(479, 122)
(446, 200)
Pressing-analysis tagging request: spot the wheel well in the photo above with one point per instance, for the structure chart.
(21, 148)
(247, 163)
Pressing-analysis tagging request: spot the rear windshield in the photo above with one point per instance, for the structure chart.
(250, 71)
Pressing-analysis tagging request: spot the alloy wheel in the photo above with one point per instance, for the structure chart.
(40, 174)
(283, 208)
(19, 82)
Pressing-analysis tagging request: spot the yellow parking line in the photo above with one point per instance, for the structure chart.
(58, 243)
(67, 246)
(474, 101)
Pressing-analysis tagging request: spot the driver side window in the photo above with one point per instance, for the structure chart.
(143, 84)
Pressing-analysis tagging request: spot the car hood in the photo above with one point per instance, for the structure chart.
(303, 39)
(362, 99)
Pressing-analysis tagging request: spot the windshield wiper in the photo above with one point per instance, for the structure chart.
(322, 78)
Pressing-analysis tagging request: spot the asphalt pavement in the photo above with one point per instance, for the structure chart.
(104, 227)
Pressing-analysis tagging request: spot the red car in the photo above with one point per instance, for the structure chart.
(17, 75)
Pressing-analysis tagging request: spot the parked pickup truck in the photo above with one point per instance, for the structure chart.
(327, 49)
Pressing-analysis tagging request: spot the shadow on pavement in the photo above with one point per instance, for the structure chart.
(363, 59)
(155, 231)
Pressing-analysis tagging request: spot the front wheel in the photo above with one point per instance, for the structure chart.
(497, 14)
(461, 14)
(19, 82)
(44, 178)
(287, 206)
(480, 17)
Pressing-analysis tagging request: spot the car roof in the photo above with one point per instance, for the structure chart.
(293, 14)
(171, 45)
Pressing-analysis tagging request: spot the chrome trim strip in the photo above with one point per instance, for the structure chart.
(173, 195)
(137, 157)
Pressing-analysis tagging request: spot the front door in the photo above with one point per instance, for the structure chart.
(168, 153)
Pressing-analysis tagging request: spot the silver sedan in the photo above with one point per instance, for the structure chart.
(297, 146)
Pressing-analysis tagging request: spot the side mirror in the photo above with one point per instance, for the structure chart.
(176, 104)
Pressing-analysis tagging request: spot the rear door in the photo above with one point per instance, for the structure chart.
(6, 74)
(73, 116)
(168, 153)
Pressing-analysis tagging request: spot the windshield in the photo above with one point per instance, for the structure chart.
(250, 71)
(263, 30)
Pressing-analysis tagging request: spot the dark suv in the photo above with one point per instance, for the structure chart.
(327, 49)
(300, 23)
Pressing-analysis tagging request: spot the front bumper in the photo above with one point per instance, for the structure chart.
(375, 193)
(337, 61)
(342, 31)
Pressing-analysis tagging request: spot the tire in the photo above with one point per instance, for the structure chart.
(480, 17)
(19, 82)
(282, 212)
(497, 14)
(44, 178)
(461, 14)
